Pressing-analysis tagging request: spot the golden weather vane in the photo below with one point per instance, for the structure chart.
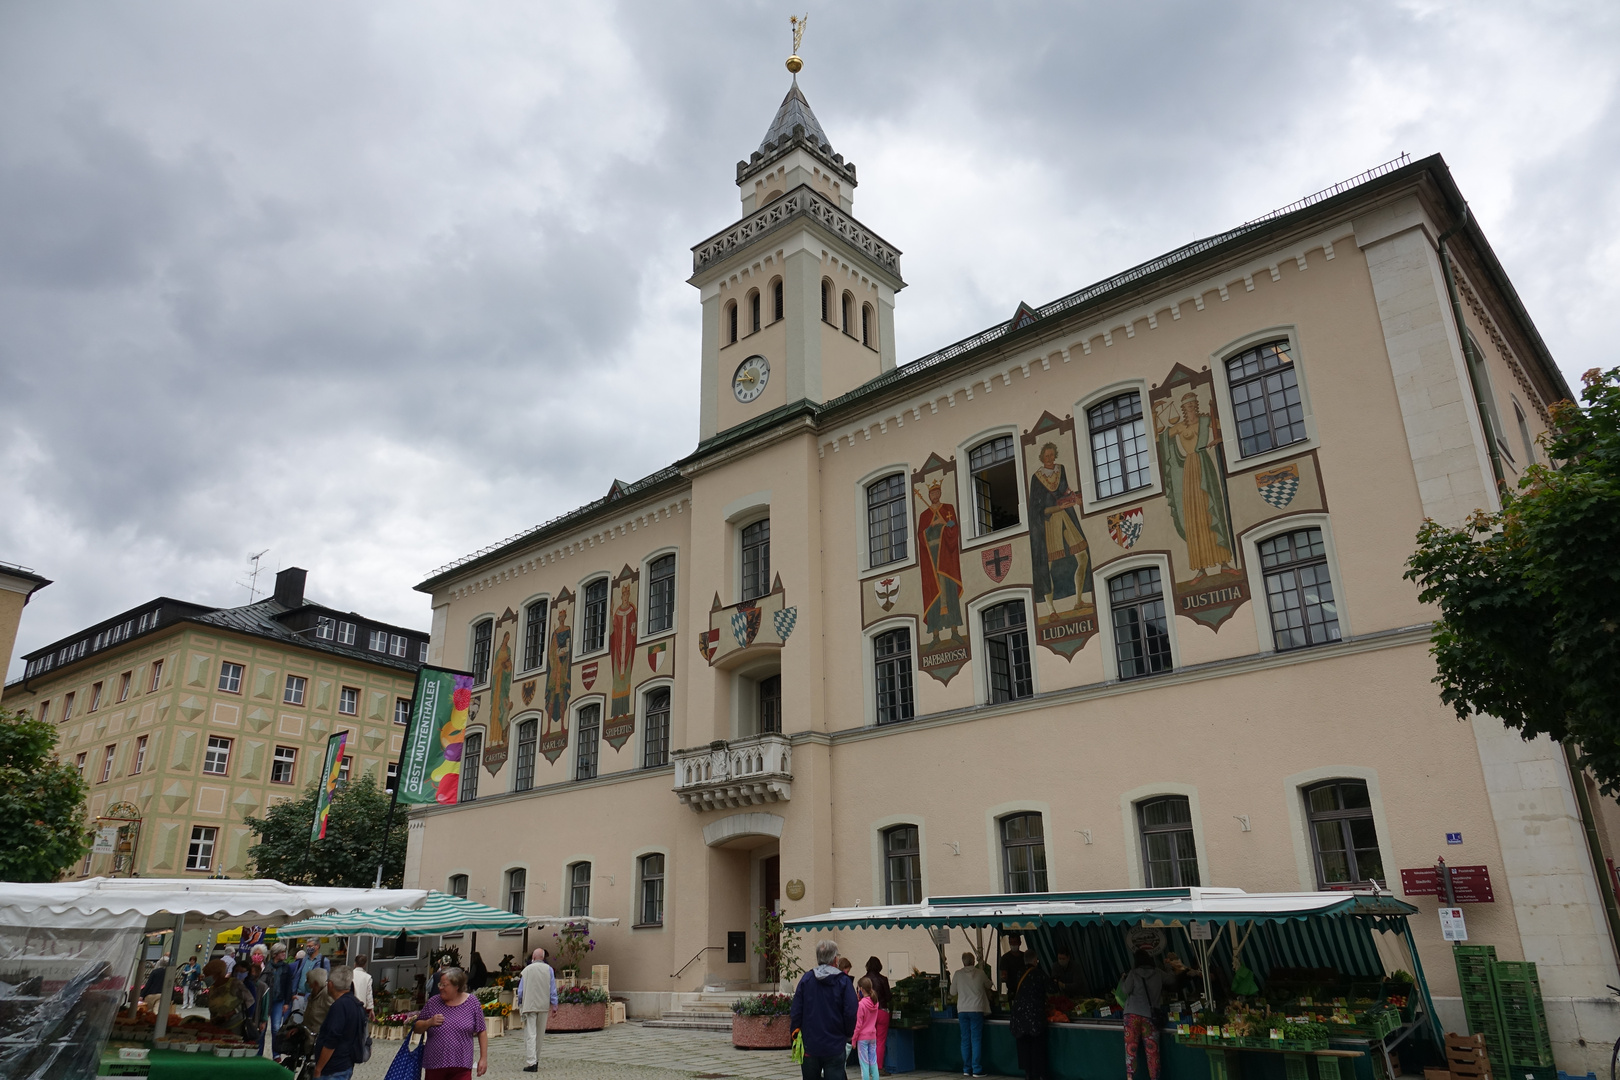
(794, 64)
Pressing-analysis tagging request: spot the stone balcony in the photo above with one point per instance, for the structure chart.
(742, 772)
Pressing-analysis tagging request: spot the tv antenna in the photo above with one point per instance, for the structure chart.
(252, 583)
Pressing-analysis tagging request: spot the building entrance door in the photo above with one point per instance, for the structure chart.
(770, 891)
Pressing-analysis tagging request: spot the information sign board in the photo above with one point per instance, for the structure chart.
(1452, 927)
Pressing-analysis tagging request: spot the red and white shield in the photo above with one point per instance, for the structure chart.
(997, 562)
(656, 655)
(587, 674)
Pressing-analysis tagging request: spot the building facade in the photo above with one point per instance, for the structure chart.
(1106, 596)
(18, 584)
(184, 718)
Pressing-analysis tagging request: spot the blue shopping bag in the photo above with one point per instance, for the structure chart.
(407, 1063)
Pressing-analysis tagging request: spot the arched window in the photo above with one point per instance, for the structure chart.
(1141, 627)
(517, 883)
(995, 484)
(1299, 592)
(472, 754)
(1169, 856)
(1343, 836)
(1119, 458)
(849, 314)
(579, 889)
(655, 745)
(652, 890)
(1006, 644)
(902, 862)
(826, 300)
(886, 537)
(458, 885)
(528, 736)
(891, 676)
(756, 559)
(731, 323)
(661, 594)
(1265, 398)
(593, 636)
(776, 298)
(1023, 853)
(483, 632)
(866, 325)
(753, 312)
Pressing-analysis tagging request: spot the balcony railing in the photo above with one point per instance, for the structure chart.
(742, 772)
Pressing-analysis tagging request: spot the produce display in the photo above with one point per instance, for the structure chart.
(912, 999)
(1302, 1011)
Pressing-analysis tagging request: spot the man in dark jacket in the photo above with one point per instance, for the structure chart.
(824, 1012)
(1029, 1019)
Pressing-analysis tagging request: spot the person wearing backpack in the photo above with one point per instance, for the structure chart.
(344, 1040)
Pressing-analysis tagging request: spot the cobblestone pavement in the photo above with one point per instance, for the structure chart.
(631, 1052)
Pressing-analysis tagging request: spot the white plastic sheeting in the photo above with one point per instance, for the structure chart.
(59, 990)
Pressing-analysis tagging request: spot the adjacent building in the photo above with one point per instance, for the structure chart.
(18, 584)
(184, 718)
(1108, 595)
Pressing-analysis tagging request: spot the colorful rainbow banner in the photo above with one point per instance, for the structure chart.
(334, 765)
(430, 762)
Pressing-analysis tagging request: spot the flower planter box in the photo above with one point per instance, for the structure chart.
(577, 1018)
(761, 1032)
(495, 1026)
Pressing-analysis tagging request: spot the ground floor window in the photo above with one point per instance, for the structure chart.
(579, 889)
(652, 890)
(1343, 834)
(1169, 856)
(1023, 849)
(902, 856)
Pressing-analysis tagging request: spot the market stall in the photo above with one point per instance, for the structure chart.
(1279, 979)
(68, 950)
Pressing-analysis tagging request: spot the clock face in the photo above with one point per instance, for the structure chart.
(749, 381)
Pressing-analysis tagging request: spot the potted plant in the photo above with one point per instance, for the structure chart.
(579, 1008)
(573, 942)
(777, 948)
(494, 1015)
(760, 1022)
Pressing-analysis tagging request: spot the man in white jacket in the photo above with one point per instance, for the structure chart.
(362, 986)
(537, 994)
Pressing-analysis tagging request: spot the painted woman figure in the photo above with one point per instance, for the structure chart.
(1193, 486)
(622, 648)
(559, 655)
(1058, 549)
(500, 704)
(940, 559)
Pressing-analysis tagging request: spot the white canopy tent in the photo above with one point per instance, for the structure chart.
(440, 913)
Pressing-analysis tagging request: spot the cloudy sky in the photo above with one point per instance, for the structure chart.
(372, 285)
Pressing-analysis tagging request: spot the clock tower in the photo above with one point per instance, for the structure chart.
(798, 295)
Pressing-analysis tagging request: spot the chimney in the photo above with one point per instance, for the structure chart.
(290, 586)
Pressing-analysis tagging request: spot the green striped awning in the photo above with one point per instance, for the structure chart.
(440, 913)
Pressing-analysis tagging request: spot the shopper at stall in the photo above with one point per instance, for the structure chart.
(1029, 1019)
(823, 1012)
(1010, 965)
(536, 997)
(228, 1000)
(362, 986)
(880, 987)
(340, 1044)
(190, 972)
(281, 986)
(317, 1003)
(1141, 988)
(152, 990)
(453, 1020)
(866, 1028)
(972, 989)
(477, 974)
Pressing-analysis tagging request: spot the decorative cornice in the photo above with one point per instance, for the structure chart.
(800, 203)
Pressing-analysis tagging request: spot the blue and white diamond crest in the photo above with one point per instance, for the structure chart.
(785, 619)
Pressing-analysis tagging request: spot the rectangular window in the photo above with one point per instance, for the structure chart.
(652, 890)
(770, 704)
(534, 635)
(579, 889)
(588, 726)
(523, 774)
(67, 705)
(157, 676)
(325, 628)
(458, 885)
(200, 855)
(1343, 835)
(349, 701)
(95, 697)
(902, 858)
(661, 594)
(344, 768)
(284, 766)
(1141, 629)
(377, 641)
(483, 635)
(107, 764)
(1169, 856)
(1023, 849)
(396, 645)
(1006, 646)
(346, 633)
(123, 685)
(79, 764)
(887, 505)
(517, 882)
(655, 748)
(891, 676)
(1524, 435)
(402, 711)
(294, 692)
(421, 652)
(995, 484)
(45, 709)
(217, 758)
(1299, 593)
(1265, 398)
(471, 756)
(756, 559)
(140, 755)
(1119, 457)
(230, 677)
(593, 627)
(392, 780)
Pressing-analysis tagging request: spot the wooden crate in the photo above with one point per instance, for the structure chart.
(1467, 1057)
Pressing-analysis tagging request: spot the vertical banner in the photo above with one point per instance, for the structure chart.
(329, 779)
(430, 766)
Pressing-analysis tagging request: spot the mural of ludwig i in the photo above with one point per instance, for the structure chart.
(559, 675)
(1060, 557)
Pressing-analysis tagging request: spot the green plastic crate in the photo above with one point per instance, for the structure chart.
(1297, 1067)
(1221, 1067)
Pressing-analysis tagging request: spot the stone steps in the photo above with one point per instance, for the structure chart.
(709, 1010)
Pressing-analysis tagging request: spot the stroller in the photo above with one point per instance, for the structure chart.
(294, 1045)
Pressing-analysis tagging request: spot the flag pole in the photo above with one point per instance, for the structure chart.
(399, 778)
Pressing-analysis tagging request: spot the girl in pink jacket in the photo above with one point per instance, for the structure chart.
(866, 1029)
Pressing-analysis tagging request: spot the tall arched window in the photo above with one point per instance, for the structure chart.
(826, 301)
(1023, 853)
(528, 735)
(848, 314)
(902, 858)
(1169, 854)
(731, 323)
(753, 312)
(1343, 836)
(579, 889)
(458, 885)
(517, 883)
(472, 753)
(886, 510)
(776, 298)
(866, 325)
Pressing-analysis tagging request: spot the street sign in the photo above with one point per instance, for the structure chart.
(1453, 837)
(1452, 927)
(1469, 884)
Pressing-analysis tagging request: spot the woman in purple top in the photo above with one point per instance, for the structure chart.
(451, 1018)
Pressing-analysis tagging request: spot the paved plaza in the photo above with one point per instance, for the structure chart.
(631, 1052)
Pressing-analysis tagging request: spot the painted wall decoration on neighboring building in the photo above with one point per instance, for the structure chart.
(1206, 571)
(621, 723)
(944, 649)
(559, 673)
(1060, 557)
(496, 741)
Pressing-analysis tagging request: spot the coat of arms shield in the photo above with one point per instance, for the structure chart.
(587, 674)
(1278, 486)
(1126, 527)
(997, 562)
(745, 624)
(528, 691)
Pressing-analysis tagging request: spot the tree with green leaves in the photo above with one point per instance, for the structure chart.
(42, 813)
(347, 856)
(1529, 598)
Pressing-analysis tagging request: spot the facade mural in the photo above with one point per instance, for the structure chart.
(1060, 557)
(496, 739)
(559, 672)
(1206, 573)
(621, 723)
(945, 649)
(765, 620)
